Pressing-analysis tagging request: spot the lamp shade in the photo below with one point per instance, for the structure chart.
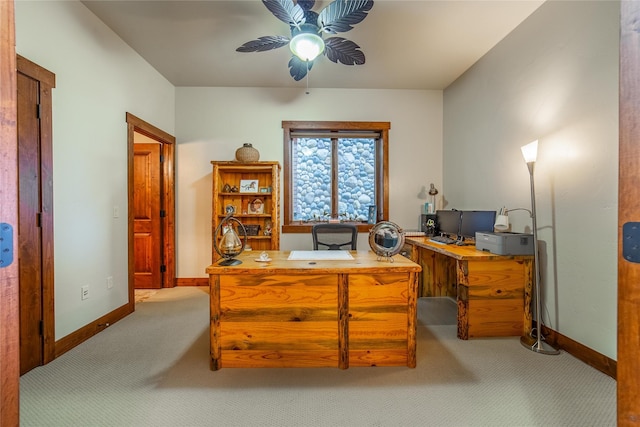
(502, 223)
(306, 44)
(530, 151)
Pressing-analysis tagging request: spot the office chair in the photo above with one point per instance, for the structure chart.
(335, 229)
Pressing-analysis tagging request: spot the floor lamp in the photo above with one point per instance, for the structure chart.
(537, 344)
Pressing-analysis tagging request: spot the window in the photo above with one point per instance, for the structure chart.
(334, 170)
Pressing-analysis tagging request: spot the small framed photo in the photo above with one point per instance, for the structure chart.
(373, 214)
(265, 189)
(256, 206)
(248, 185)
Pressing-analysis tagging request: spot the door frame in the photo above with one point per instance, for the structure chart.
(46, 82)
(9, 291)
(135, 124)
(628, 362)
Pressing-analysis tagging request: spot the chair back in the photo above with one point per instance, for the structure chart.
(348, 236)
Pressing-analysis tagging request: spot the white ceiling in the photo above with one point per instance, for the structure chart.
(416, 44)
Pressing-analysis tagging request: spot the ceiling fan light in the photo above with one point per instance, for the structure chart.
(306, 45)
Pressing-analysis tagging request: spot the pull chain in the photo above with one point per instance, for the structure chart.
(308, 71)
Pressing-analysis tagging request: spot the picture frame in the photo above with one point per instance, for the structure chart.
(373, 214)
(265, 190)
(256, 206)
(248, 185)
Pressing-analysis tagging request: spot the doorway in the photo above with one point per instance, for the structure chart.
(35, 214)
(151, 207)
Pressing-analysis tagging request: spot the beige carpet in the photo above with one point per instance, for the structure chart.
(152, 369)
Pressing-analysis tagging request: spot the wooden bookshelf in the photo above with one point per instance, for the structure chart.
(240, 185)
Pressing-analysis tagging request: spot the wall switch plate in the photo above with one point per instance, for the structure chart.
(109, 282)
(84, 292)
(116, 212)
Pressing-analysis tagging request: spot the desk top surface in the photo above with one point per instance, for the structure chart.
(362, 262)
(466, 252)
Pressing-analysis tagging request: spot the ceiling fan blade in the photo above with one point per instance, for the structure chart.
(338, 49)
(286, 11)
(299, 68)
(341, 15)
(264, 43)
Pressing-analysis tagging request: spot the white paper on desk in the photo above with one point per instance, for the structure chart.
(320, 256)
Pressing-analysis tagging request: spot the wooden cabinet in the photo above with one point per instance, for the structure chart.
(493, 292)
(253, 189)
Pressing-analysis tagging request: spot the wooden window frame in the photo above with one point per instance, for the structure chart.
(382, 166)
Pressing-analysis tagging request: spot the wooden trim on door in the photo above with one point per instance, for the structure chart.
(47, 81)
(135, 124)
(628, 399)
(9, 291)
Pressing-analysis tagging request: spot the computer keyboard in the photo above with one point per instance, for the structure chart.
(443, 240)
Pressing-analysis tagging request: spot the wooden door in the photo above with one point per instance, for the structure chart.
(628, 364)
(35, 214)
(29, 231)
(9, 293)
(147, 216)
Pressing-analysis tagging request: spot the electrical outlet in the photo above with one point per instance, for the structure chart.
(109, 282)
(84, 292)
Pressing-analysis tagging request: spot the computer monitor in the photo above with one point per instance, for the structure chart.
(474, 221)
(448, 222)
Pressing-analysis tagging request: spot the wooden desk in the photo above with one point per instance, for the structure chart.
(493, 292)
(360, 312)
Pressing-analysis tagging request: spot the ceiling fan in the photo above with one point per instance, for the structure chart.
(307, 27)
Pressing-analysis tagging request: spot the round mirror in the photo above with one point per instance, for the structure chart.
(386, 239)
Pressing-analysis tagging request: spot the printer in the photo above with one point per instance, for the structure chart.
(505, 243)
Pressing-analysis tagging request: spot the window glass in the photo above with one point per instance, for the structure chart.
(313, 174)
(356, 178)
(312, 181)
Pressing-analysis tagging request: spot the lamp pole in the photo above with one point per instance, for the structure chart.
(530, 152)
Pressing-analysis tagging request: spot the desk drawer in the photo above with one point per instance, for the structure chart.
(505, 276)
(488, 317)
(491, 298)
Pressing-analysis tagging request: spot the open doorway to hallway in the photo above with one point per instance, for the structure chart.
(151, 207)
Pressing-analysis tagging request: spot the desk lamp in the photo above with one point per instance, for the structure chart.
(537, 344)
(502, 219)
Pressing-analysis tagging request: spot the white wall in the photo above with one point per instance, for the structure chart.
(211, 123)
(98, 80)
(554, 78)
